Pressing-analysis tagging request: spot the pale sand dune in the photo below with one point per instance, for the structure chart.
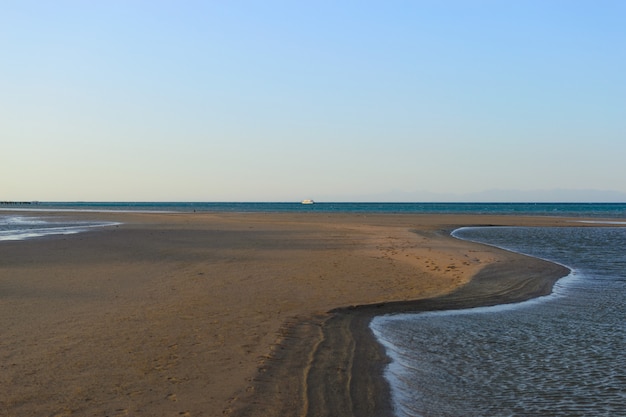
(212, 314)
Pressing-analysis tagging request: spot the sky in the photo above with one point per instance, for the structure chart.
(330, 100)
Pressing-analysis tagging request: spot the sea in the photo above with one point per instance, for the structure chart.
(611, 210)
(559, 355)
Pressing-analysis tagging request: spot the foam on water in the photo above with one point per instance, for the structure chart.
(24, 227)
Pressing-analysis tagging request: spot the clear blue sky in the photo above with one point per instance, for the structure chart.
(336, 100)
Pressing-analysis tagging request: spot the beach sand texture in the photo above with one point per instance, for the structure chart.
(252, 314)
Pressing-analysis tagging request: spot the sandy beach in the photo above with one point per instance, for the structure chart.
(233, 314)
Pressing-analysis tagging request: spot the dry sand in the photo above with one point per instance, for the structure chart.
(233, 314)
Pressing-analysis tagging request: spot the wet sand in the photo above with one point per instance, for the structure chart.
(233, 314)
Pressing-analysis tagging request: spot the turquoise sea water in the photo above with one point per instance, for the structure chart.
(544, 209)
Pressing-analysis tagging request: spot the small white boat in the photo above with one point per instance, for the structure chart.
(308, 201)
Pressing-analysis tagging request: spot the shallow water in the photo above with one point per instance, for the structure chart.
(25, 227)
(560, 355)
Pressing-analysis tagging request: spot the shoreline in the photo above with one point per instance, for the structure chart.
(349, 346)
(237, 314)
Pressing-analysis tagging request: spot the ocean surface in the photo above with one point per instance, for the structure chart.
(541, 209)
(559, 355)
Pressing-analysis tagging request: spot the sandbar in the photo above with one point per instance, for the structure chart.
(238, 314)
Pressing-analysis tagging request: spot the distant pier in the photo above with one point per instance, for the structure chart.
(17, 203)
